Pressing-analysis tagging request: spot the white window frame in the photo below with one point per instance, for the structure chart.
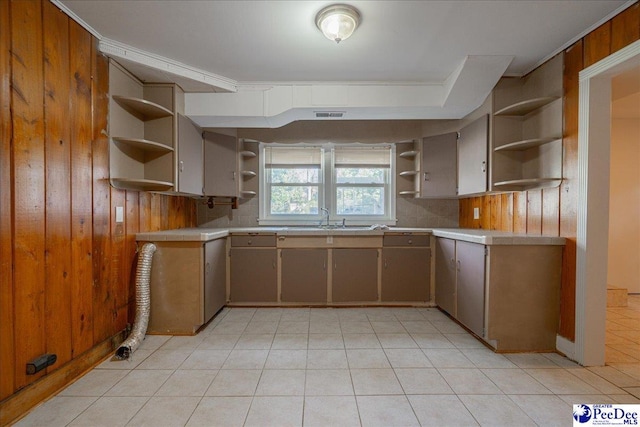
(327, 192)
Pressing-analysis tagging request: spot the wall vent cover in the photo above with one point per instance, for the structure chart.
(329, 114)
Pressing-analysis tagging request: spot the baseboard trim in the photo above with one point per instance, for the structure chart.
(19, 403)
(566, 347)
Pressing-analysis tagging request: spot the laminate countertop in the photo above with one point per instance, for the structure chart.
(486, 237)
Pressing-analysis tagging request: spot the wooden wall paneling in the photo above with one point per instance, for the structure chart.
(81, 189)
(7, 351)
(463, 215)
(103, 280)
(573, 63)
(156, 209)
(506, 212)
(597, 44)
(485, 212)
(496, 212)
(58, 184)
(144, 201)
(520, 212)
(132, 224)
(29, 180)
(534, 212)
(625, 28)
(119, 283)
(551, 211)
(164, 212)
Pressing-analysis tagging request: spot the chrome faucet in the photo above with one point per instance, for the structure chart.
(344, 222)
(326, 215)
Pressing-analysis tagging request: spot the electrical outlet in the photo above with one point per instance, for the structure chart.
(476, 213)
(119, 214)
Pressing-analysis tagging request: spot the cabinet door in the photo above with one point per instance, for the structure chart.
(446, 275)
(472, 157)
(303, 275)
(470, 292)
(406, 274)
(190, 163)
(439, 169)
(253, 275)
(215, 277)
(355, 275)
(220, 165)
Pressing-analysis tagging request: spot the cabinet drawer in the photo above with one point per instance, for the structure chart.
(253, 240)
(406, 240)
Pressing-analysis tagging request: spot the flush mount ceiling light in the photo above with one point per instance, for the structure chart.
(338, 21)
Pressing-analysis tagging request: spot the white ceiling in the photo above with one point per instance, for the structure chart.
(236, 46)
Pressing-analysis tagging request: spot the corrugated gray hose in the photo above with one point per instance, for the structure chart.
(143, 303)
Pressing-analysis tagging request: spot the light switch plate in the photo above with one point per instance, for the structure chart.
(119, 214)
(476, 213)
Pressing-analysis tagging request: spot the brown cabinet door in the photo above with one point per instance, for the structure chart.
(215, 277)
(303, 275)
(220, 165)
(190, 163)
(472, 157)
(439, 169)
(253, 275)
(406, 274)
(470, 292)
(355, 275)
(446, 275)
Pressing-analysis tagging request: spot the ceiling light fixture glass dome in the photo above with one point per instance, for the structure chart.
(338, 21)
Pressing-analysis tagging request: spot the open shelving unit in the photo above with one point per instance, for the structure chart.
(143, 131)
(526, 150)
(408, 167)
(248, 166)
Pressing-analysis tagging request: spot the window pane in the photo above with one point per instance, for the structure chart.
(295, 176)
(360, 201)
(298, 200)
(360, 175)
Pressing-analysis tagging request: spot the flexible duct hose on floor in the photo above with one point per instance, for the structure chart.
(143, 303)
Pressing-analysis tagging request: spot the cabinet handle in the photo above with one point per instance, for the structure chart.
(181, 166)
(484, 167)
(426, 176)
(453, 262)
(410, 242)
(324, 264)
(458, 265)
(273, 264)
(208, 268)
(386, 264)
(234, 175)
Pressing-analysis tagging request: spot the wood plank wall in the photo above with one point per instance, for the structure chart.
(66, 266)
(554, 211)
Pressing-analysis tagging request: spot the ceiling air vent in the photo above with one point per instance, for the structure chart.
(329, 114)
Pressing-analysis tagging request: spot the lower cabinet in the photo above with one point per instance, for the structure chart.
(406, 268)
(253, 275)
(460, 281)
(470, 267)
(188, 285)
(303, 275)
(509, 295)
(445, 277)
(354, 275)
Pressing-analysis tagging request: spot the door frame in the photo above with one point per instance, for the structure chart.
(594, 127)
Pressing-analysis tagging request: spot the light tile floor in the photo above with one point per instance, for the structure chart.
(334, 367)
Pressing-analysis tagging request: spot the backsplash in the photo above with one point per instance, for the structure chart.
(431, 213)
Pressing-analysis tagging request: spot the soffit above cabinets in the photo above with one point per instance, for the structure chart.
(407, 47)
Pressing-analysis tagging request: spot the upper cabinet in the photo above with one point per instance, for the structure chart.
(220, 165)
(153, 147)
(472, 157)
(190, 155)
(439, 165)
(527, 130)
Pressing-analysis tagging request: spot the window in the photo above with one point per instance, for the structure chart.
(353, 182)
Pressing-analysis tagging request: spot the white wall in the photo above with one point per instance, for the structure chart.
(624, 205)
